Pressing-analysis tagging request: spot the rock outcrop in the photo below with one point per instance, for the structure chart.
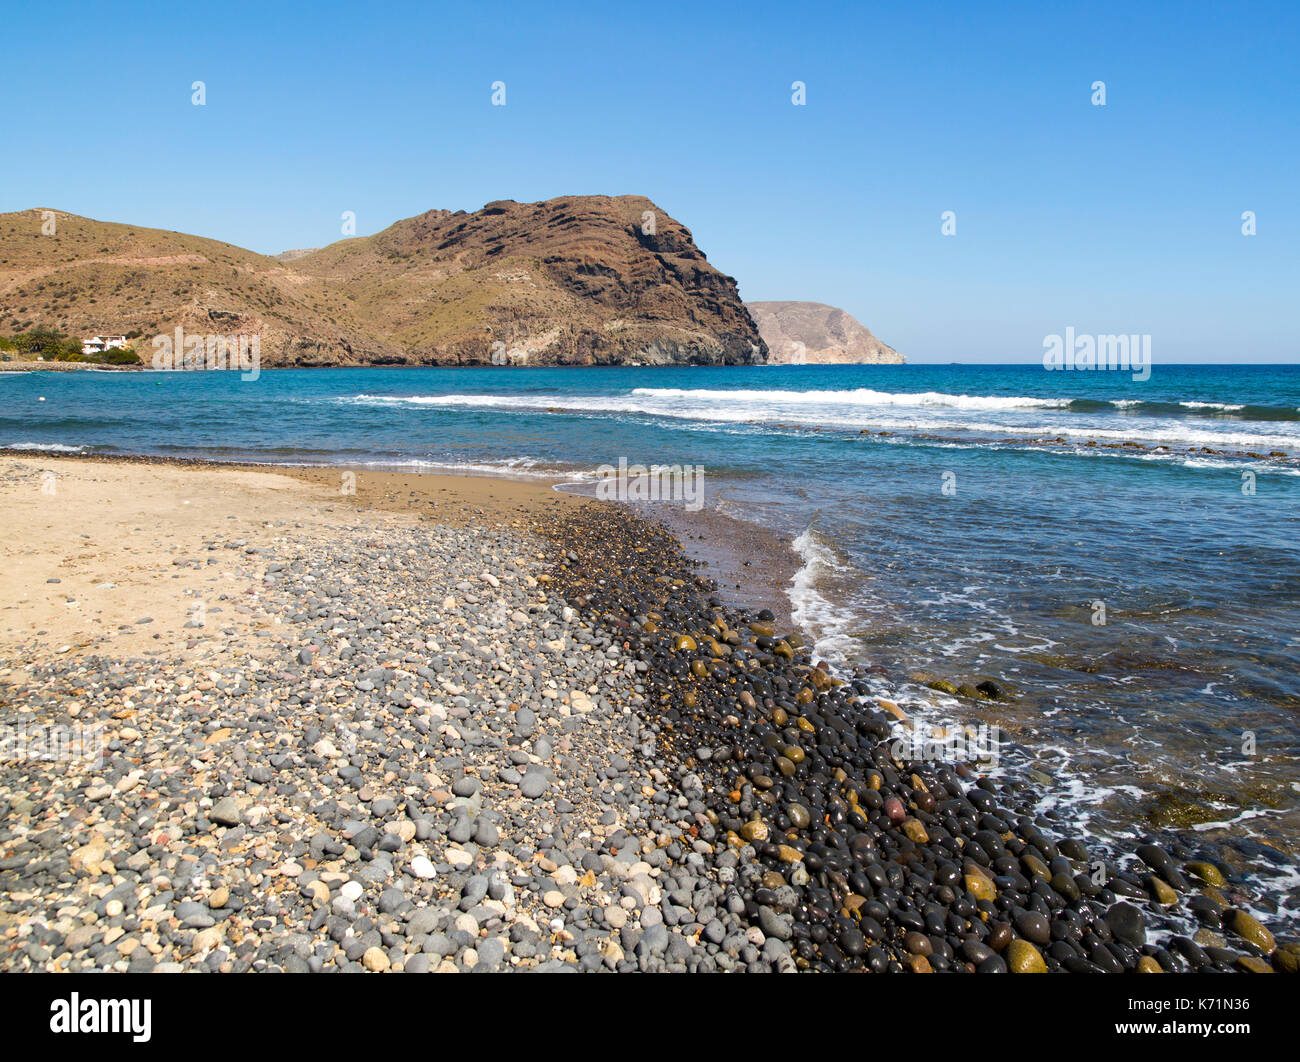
(581, 280)
(812, 333)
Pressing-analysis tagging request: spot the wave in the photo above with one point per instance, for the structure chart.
(985, 420)
(1185, 421)
(665, 399)
(1185, 408)
(54, 448)
(511, 468)
(1172, 434)
(938, 399)
(489, 401)
(861, 396)
(1225, 406)
(581, 404)
(827, 623)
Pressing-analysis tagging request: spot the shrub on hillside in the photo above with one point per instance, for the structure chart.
(55, 346)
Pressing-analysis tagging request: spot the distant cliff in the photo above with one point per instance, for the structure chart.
(580, 280)
(813, 333)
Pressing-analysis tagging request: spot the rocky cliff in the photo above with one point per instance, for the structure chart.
(580, 280)
(812, 333)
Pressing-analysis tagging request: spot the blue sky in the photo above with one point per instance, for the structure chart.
(1123, 218)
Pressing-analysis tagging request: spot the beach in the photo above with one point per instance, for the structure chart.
(315, 719)
(240, 779)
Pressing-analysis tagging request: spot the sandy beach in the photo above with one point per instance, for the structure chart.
(91, 547)
(157, 605)
(314, 719)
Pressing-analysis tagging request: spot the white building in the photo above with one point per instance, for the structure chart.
(99, 344)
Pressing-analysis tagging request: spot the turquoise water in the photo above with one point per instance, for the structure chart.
(953, 522)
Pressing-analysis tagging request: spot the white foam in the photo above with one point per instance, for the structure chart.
(564, 403)
(1173, 432)
(512, 468)
(861, 396)
(827, 624)
(56, 448)
(906, 413)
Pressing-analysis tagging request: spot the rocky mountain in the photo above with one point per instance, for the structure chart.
(812, 333)
(580, 280)
(584, 280)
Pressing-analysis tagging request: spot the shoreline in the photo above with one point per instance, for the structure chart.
(65, 366)
(744, 811)
(726, 551)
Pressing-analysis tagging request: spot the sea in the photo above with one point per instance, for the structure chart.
(1120, 556)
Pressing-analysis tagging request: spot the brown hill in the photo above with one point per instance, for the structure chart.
(568, 281)
(812, 333)
(94, 277)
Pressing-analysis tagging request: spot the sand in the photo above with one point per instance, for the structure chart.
(127, 540)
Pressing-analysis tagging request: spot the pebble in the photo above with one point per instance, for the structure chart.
(1023, 957)
(225, 812)
(428, 769)
(375, 960)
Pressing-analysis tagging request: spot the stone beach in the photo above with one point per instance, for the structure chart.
(446, 728)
